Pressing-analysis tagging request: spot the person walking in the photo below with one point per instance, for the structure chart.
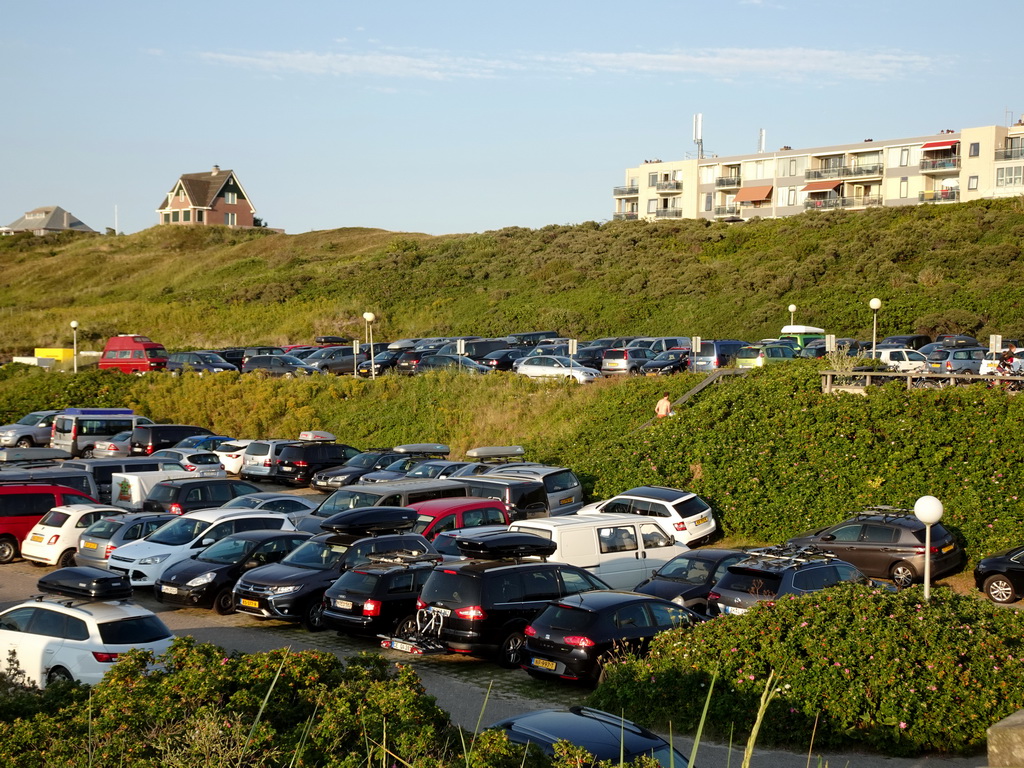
(664, 407)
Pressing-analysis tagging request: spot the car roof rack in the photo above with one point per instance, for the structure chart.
(884, 511)
(798, 555)
(505, 545)
(404, 557)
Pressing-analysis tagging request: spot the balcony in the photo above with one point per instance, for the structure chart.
(827, 203)
(1010, 154)
(939, 196)
(728, 181)
(726, 210)
(812, 174)
(627, 216)
(668, 213)
(868, 169)
(940, 165)
(626, 191)
(669, 186)
(845, 172)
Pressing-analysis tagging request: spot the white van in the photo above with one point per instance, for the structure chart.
(129, 490)
(622, 550)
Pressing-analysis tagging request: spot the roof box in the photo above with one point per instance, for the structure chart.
(371, 521)
(97, 412)
(339, 340)
(801, 329)
(495, 452)
(505, 545)
(317, 436)
(32, 454)
(434, 449)
(86, 583)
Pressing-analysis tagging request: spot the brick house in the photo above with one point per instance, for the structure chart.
(213, 197)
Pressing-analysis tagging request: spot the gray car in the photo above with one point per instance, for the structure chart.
(956, 359)
(29, 431)
(108, 533)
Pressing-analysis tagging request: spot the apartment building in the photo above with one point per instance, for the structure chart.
(947, 167)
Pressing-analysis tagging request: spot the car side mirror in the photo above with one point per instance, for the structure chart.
(207, 542)
(250, 564)
(828, 537)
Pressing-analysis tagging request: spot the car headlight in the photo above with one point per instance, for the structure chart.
(154, 559)
(198, 581)
(8, 433)
(284, 590)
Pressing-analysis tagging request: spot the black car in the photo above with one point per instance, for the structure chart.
(284, 366)
(185, 495)
(688, 578)
(523, 497)
(668, 362)
(298, 462)
(396, 470)
(330, 480)
(409, 361)
(206, 579)
(376, 598)
(572, 636)
(1001, 576)
(435, 362)
(591, 357)
(483, 605)
(293, 590)
(149, 438)
(502, 359)
(602, 734)
(382, 363)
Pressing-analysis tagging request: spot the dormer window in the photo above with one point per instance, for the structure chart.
(181, 194)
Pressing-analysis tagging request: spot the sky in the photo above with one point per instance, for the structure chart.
(455, 117)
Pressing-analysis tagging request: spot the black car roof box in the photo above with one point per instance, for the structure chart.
(371, 521)
(504, 545)
(86, 583)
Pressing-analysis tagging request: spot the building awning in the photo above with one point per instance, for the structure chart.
(940, 144)
(821, 186)
(753, 194)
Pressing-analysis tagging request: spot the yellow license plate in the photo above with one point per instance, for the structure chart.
(701, 520)
(36, 537)
(89, 545)
(250, 603)
(566, 500)
(947, 548)
(544, 664)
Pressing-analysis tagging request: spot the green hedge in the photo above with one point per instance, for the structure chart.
(873, 669)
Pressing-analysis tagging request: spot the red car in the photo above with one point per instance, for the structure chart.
(440, 515)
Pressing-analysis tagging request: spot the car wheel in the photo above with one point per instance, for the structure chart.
(510, 652)
(903, 575)
(406, 627)
(313, 615)
(24, 442)
(66, 559)
(8, 549)
(224, 602)
(999, 589)
(88, 453)
(57, 674)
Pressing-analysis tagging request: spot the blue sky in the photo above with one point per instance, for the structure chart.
(459, 116)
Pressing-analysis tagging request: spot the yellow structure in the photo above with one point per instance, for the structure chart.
(59, 354)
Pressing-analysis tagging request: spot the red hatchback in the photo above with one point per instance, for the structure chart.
(440, 515)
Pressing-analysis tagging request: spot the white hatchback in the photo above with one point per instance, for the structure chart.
(58, 639)
(54, 539)
(685, 514)
(231, 455)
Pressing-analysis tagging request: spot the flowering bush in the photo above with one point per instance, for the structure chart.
(873, 668)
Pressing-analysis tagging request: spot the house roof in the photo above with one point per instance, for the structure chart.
(50, 217)
(204, 187)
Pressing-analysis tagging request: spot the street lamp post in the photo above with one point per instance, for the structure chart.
(369, 317)
(929, 511)
(875, 304)
(74, 334)
(792, 310)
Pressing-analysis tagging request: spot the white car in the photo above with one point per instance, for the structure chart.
(144, 560)
(289, 504)
(556, 367)
(54, 539)
(990, 365)
(902, 360)
(686, 515)
(231, 455)
(62, 639)
(202, 463)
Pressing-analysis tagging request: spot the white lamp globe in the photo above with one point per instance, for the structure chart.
(928, 510)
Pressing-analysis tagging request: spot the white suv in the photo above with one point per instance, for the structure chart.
(62, 639)
(54, 539)
(144, 560)
(685, 513)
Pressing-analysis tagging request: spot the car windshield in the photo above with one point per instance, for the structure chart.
(566, 618)
(688, 570)
(229, 551)
(344, 499)
(103, 529)
(243, 502)
(203, 458)
(54, 519)
(425, 470)
(135, 631)
(363, 460)
(212, 359)
(178, 532)
(356, 583)
(290, 360)
(317, 555)
(156, 352)
(671, 354)
(320, 354)
(120, 437)
(31, 420)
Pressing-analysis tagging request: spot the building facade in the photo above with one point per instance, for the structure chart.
(951, 166)
(209, 198)
(42, 221)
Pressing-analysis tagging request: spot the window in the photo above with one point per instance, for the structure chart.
(975, 149)
(708, 200)
(186, 215)
(174, 216)
(652, 179)
(792, 167)
(230, 198)
(1010, 177)
(652, 206)
(791, 196)
(181, 193)
(905, 156)
(904, 187)
(617, 539)
(230, 219)
(972, 182)
(167, 218)
(199, 217)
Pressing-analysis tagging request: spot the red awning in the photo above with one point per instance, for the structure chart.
(753, 194)
(821, 186)
(940, 144)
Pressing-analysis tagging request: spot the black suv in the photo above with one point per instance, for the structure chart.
(769, 573)
(886, 543)
(484, 605)
(187, 495)
(149, 438)
(298, 462)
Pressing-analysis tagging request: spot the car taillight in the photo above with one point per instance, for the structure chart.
(56, 537)
(149, 449)
(680, 526)
(580, 641)
(266, 462)
(471, 613)
(109, 548)
(712, 596)
(530, 631)
(106, 658)
(371, 608)
(949, 366)
(175, 509)
(190, 467)
(420, 605)
(301, 463)
(714, 362)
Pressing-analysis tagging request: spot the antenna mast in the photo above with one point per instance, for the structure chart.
(698, 134)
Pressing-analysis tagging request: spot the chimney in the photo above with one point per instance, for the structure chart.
(215, 171)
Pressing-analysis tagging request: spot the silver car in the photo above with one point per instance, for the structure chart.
(956, 359)
(556, 367)
(29, 431)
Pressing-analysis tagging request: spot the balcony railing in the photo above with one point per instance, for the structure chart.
(623, 191)
(868, 169)
(669, 213)
(669, 186)
(1010, 154)
(728, 181)
(939, 196)
(824, 173)
(844, 171)
(627, 216)
(726, 210)
(825, 203)
(940, 164)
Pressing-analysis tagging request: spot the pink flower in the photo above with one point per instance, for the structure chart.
(903, 726)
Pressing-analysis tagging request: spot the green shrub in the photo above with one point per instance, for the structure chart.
(875, 669)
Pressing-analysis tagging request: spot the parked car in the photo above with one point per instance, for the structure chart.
(340, 361)
(434, 469)
(523, 497)
(759, 355)
(436, 362)
(573, 635)
(658, 344)
(289, 504)
(260, 456)
(179, 497)
(685, 513)
(628, 360)
(409, 361)
(198, 362)
(886, 543)
(283, 366)
(396, 470)
(329, 480)
(29, 431)
(96, 542)
(202, 463)
(564, 490)
(903, 360)
(769, 573)
(1001, 576)
(77, 430)
(557, 367)
(232, 454)
(530, 338)
(116, 446)
(54, 539)
(144, 560)
(383, 362)
(956, 359)
(130, 353)
(602, 734)
(202, 442)
(687, 579)
(206, 579)
(715, 353)
(22, 505)
(436, 516)
(666, 363)
(147, 438)
(58, 639)
(475, 349)
(905, 341)
(297, 462)
(502, 359)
